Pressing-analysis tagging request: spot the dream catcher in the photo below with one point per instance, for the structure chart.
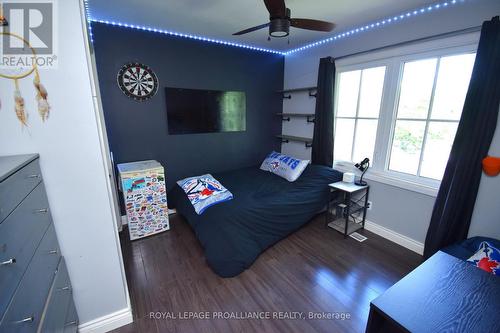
(3, 20)
(20, 73)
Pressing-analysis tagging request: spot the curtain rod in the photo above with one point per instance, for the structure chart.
(414, 41)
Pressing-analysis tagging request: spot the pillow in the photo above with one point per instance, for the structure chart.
(204, 191)
(284, 166)
(487, 258)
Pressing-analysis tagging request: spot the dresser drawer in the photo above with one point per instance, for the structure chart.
(24, 311)
(20, 235)
(54, 318)
(71, 323)
(17, 186)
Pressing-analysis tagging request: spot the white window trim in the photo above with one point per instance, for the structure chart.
(356, 116)
(390, 178)
(394, 59)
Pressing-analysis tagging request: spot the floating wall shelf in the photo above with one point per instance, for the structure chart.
(312, 91)
(288, 138)
(287, 116)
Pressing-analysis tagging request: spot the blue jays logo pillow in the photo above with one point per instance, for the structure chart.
(487, 258)
(204, 191)
(284, 166)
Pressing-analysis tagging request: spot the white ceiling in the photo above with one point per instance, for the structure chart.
(218, 19)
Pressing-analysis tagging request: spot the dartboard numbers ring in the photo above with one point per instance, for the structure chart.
(137, 81)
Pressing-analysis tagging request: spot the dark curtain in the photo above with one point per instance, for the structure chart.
(457, 195)
(322, 145)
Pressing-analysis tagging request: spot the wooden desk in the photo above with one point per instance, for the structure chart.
(444, 294)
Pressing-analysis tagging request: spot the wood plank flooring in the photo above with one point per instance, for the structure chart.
(314, 270)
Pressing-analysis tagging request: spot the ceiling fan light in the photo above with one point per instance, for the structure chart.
(279, 34)
(279, 27)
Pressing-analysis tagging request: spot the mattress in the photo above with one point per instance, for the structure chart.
(265, 209)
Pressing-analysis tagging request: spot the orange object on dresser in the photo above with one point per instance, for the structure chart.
(491, 165)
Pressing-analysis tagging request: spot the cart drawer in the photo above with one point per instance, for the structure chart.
(71, 324)
(54, 318)
(20, 235)
(24, 311)
(17, 186)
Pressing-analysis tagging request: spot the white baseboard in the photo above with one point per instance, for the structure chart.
(107, 323)
(395, 237)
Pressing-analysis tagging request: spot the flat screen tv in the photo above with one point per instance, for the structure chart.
(205, 111)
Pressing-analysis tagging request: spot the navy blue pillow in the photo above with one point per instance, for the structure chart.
(469, 246)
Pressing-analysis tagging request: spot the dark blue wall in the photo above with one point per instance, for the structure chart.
(139, 131)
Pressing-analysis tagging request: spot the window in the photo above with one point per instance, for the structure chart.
(430, 104)
(401, 109)
(358, 108)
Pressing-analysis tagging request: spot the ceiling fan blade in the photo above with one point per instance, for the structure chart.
(309, 24)
(251, 29)
(276, 8)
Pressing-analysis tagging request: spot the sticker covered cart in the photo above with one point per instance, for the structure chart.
(145, 197)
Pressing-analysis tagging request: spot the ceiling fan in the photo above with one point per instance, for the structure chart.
(280, 21)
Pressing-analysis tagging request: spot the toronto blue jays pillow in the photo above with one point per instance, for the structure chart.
(284, 166)
(487, 258)
(204, 191)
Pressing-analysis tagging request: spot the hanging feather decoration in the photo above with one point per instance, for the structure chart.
(3, 20)
(19, 106)
(41, 92)
(41, 97)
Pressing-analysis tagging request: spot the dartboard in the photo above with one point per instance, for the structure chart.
(137, 81)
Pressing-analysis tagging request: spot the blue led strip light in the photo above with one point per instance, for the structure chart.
(89, 19)
(179, 34)
(378, 24)
(343, 35)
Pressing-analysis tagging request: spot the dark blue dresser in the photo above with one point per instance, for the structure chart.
(35, 289)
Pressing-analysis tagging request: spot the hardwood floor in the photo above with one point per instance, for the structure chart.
(315, 270)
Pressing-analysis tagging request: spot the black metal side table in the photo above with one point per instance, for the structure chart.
(345, 203)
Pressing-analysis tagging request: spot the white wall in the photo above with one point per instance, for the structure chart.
(73, 169)
(400, 210)
(486, 216)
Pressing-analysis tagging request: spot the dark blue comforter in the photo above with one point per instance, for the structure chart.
(265, 209)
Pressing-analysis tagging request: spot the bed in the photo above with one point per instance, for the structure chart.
(265, 209)
(465, 249)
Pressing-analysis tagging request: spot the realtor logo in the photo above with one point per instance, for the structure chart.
(34, 22)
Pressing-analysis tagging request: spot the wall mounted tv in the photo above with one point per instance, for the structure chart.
(205, 111)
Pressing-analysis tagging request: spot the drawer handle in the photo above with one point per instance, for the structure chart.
(43, 210)
(25, 320)
(53, 252)
(71, 323)
(64, 288)
(8, 262)
(33, 176)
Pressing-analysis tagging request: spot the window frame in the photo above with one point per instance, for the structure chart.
(356, 117)
(439, 55)
(394, 60)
